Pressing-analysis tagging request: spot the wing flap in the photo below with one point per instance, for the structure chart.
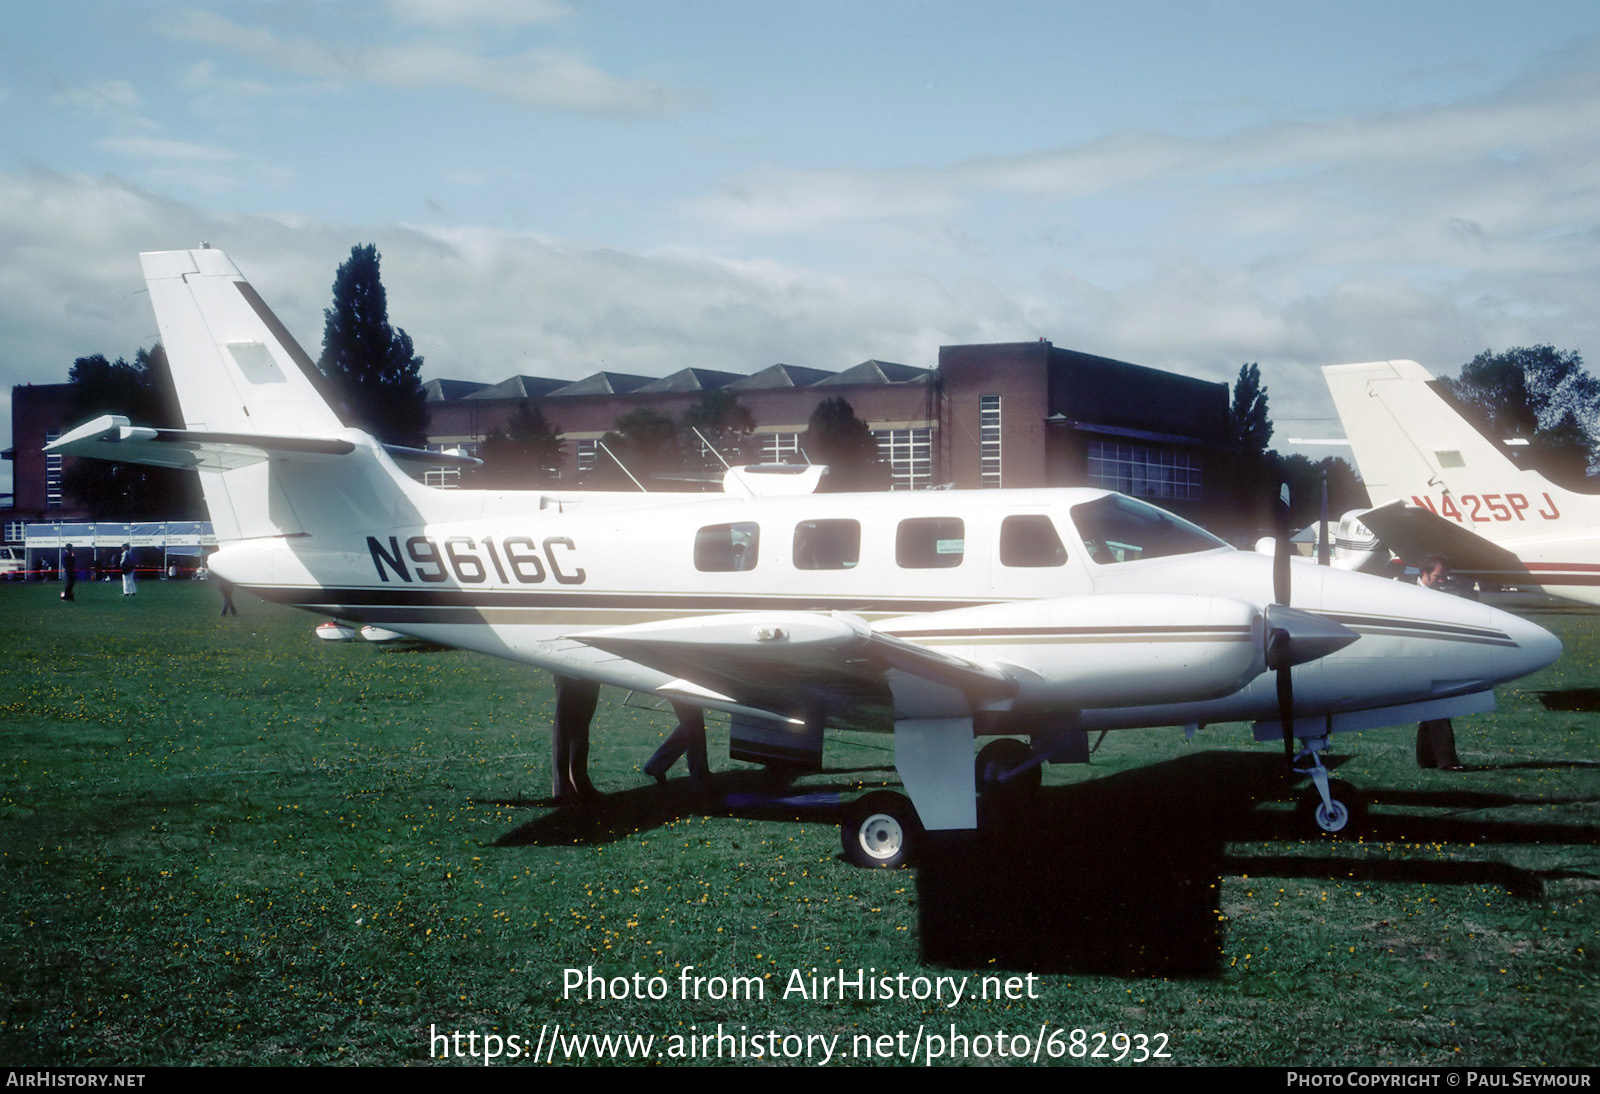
(795, 664)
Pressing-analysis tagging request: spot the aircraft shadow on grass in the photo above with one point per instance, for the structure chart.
(1119, 875)
(1583, 700)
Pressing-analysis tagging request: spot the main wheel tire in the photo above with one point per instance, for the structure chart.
(999, 756)
(880, 830)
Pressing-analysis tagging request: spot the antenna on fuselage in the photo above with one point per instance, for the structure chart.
(726, 466)
(620, 464)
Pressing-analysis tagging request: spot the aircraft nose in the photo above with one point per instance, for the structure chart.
(1536, 647)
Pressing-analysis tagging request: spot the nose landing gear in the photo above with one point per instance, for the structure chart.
(1333, 806)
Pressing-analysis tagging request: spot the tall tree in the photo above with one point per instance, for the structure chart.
(525, 452)
(836, 437)
(371, 362)
(1542, 395)
(1247, 416)
(1250, 469)
(140, 391)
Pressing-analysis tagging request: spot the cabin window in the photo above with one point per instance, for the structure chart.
(1030, 541)
(1119, 529)
(724, 547)
(827, 544)
(930, 543)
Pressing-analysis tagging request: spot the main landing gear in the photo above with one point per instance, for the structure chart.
(1333, 805)
(880, 830)
(1007, 769)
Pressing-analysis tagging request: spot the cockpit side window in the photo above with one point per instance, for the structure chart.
(930, 543)
(720, 548)
(827, 544)
(1119, 529)
(1030, 540)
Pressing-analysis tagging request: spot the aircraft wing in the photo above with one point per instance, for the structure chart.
(113, 437)
(1066, 653)
(1414, 534)
(792, 665)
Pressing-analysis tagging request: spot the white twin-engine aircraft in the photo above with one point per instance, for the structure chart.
(1439, 486)
(938, 616)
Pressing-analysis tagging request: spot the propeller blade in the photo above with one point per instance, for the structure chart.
(1286, 709)
(1280, 554)
(1295, 637)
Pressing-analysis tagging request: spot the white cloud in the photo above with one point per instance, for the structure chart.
(534, 77)
(480, 12)
(1540, 135)
(1320, 271)
(100, 97)
(155, 148)
(206, 78)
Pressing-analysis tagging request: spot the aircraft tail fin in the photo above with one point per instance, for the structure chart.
(235, 366)
(1413, 444)
(273, 456)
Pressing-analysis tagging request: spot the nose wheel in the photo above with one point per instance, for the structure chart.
(1343, 814)
(1332, 806)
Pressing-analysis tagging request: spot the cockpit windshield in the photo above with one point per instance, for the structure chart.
(1120, 529)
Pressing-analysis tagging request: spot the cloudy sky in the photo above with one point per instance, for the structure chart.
(644, 185)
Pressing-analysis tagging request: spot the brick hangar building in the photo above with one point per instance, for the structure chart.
(1017, 414)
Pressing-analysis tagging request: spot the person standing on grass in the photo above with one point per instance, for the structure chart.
(1436, 738)
(69, 564)
(689, 737)
(130, 578)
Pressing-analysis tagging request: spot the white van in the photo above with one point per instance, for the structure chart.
(13, 563)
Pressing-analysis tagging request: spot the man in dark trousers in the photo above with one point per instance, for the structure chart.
(1436, 738)
(569, 738)
(688, 737)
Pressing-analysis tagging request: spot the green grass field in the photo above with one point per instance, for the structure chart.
(225, 842)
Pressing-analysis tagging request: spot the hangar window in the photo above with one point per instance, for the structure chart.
(1144, 472)
(588, 453)
(989, 442)
(827, 544)
(1030, 541)
(724, 547)
(930, 543)
(52, 474)
(1120, 529)
(909, 454)
(779, 447)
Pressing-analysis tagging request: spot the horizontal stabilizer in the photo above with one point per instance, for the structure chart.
(113, 437)
(1414, 534)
